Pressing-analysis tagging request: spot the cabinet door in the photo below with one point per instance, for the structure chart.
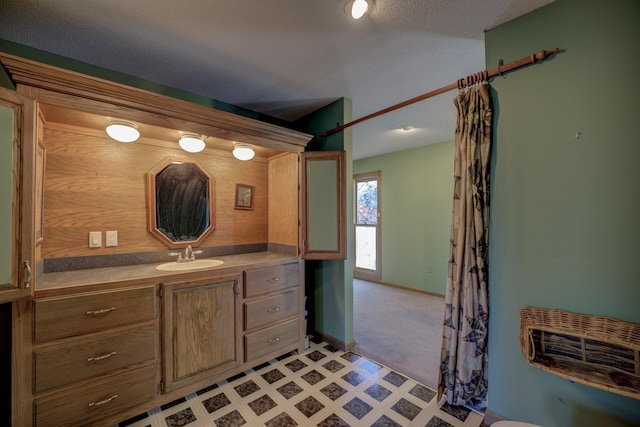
(202, 335)
(17, 158)
(323, 205)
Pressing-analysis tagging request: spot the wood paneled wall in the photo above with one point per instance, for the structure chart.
(93, 183)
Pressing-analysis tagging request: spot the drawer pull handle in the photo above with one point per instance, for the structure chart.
(102, 402)
(103, 311)
(273, 310)
(273, 279)
(274, 340)
(99, 358)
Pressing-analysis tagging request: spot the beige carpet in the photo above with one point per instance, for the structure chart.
(399, 328)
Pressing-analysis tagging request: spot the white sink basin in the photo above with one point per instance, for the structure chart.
(191, 265)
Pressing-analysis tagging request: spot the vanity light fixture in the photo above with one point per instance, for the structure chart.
(243, 152)
(122, 131)
(191, 142)
(359, 8)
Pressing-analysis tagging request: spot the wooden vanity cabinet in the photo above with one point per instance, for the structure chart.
(273, 311)
(105, 355)
(94, 355)
(201, 330)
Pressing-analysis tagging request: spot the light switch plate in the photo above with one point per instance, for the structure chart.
(95, 239)
(112, 238)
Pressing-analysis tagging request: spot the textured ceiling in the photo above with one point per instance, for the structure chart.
(284, 58)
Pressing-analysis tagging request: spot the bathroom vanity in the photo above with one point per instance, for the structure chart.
(100, 333)
(113, 342)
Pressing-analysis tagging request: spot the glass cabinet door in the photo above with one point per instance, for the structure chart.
(323, 210)
(16, 194)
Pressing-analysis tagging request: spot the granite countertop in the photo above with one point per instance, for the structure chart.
(93, 276)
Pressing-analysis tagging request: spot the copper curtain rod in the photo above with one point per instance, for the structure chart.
(460, 84)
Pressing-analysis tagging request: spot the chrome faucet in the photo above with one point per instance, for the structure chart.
(189, 254)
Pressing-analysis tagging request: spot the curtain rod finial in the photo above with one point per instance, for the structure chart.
(544, 54)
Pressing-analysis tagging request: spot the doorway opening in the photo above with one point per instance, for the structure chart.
(397, 326)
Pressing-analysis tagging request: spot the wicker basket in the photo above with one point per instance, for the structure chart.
(597, 351)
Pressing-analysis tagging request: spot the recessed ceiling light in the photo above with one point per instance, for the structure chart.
(356, 9)
(407, 128)
(359, 8)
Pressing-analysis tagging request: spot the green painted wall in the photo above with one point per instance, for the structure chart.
(329, 284)
(126, 79)
(417, 191)
(5, 81)
(565, 218)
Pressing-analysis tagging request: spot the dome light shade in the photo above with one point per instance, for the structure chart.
(192, 143)
(359, 8)
(243, 152)
(122, 131)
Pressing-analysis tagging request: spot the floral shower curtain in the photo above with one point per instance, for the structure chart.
(463, 370)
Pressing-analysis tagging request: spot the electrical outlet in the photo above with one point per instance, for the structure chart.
(112, 238)
(95, 239)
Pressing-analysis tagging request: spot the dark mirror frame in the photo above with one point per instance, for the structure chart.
(152, 204)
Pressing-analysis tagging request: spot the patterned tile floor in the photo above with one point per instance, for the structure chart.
(322, 387)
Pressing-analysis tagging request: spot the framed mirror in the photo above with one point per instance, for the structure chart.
(180, 202)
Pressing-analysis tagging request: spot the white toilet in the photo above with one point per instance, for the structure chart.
(512, 424)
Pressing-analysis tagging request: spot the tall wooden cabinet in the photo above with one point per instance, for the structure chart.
(17, 241)
(17, 158)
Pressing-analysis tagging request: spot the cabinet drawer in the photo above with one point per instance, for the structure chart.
(99, 400)
(265, 341)
(270, 310)
(64, 364)
(263, 280)
(76, 315)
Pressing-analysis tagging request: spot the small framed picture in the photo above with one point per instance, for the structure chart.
(244, 196)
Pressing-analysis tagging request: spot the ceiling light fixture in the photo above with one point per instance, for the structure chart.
(122, 131)
(243, 152)
(407, 128)
(359, 8)
(191, 142)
